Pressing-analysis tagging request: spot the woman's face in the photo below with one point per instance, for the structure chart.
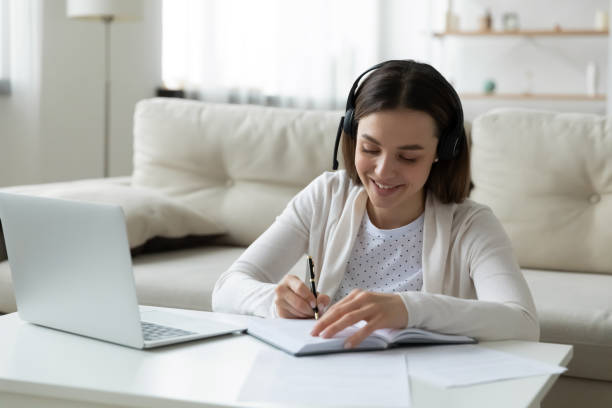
(394, 154)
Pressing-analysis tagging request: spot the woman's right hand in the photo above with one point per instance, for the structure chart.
(294, 300)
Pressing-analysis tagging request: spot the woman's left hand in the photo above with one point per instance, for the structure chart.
(379, 310)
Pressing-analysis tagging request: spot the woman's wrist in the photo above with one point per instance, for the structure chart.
(404, 304)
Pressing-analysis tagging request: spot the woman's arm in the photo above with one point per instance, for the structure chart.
(248, 286)
(504, 308)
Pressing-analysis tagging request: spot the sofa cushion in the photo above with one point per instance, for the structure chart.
(192, 273)
(548, 177)
(240, 164)
(148, 213)
(576, 308)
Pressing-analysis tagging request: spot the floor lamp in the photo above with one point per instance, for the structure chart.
(106, 11)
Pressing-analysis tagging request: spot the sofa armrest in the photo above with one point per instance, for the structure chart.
(39, 188)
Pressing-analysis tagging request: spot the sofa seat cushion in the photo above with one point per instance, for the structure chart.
(185, 279)
(182, 279)
(576, 308)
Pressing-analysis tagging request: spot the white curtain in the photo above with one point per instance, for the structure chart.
(20, 111)
(296, 53)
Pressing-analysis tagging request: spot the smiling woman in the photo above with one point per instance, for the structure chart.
(394, 239)
(392, 172)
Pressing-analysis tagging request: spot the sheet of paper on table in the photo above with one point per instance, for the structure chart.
(453, 366)
(352, 379)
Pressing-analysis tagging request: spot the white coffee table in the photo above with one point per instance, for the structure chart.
(45, 367)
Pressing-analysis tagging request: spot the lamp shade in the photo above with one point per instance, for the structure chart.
(97, 9)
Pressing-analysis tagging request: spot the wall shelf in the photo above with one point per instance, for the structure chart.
(556, 97)
(524, 33)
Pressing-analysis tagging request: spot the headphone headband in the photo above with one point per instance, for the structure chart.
(449, 145)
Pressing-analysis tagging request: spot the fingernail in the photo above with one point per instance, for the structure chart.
(312, 304)
(348, 345)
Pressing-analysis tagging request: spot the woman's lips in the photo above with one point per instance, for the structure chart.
(382, 191)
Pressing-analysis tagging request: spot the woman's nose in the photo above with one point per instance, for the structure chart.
(385, 167)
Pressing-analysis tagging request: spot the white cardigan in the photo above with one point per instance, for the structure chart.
(472, 284)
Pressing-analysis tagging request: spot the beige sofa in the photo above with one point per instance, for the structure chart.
(225, 171)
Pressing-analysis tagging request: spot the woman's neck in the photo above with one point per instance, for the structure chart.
(391, 218)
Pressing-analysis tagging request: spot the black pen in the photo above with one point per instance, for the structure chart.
(310, 266)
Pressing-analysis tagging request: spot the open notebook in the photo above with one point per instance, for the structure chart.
(293, 336)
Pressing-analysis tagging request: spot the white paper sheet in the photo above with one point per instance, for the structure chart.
(358, 379)
(453, 366)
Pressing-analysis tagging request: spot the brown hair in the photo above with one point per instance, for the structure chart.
(409, 84)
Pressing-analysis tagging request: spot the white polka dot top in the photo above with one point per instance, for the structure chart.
(384, 260)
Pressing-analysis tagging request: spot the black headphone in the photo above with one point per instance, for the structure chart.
(449, 145)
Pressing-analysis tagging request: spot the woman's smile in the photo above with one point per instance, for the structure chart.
(384, 189)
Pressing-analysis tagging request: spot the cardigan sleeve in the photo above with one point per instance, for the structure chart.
(247, 287)
(503, 308)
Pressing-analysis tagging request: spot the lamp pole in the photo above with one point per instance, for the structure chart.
(108, 11)
(107, 20)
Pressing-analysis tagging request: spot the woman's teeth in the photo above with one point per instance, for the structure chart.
(382, 186)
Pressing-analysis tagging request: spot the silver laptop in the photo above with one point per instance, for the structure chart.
(72, 270)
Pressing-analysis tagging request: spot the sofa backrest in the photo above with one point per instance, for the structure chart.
(239, 164)
(548, 177)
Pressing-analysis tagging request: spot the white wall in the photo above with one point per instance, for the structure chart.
(60, 135)
(557, 64)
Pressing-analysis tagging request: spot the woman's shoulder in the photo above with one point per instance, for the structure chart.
(468, 212)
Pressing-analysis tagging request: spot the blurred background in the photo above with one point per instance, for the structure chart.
(71, 74)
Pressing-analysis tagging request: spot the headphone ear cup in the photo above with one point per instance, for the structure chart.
(349, 125)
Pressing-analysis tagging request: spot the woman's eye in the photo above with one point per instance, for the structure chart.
(363, 149)
(408, 159)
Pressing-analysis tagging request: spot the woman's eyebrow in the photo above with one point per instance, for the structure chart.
(405, 147)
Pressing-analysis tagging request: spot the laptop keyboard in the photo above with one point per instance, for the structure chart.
(152, 331)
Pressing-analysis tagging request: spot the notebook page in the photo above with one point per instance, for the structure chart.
(414, 335)
(293, 335)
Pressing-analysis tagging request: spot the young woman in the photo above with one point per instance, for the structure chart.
(394, 239)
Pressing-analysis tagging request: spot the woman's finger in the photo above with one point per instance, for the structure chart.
(286, 310)
(346, 320)
(323, 302)
(361, 334)
(300, 289)
(351, 302)
(299, 303)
